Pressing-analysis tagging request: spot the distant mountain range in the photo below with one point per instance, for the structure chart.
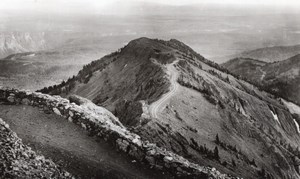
(172, 96)
(270, 54)
(33, 70)
(17, 42)
(34, 60)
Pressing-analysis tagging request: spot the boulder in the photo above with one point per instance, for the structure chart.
(25, 101)
(150, 159)
(122, 145)
(56, 111)
(136, 152)
(11, 98)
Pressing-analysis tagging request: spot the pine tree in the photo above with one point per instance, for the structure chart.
(224, 163)
(290, 148)
(216, 153)
(217, 139)
(234, 149)
(261, 127)
(262, 172)
(205, 149)
(233, 162)
(227, 79)
(270, 131)
(253, 162)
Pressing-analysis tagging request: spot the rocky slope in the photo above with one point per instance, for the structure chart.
(19, 161)
(208, 116)
(280, 78)
(271, 54)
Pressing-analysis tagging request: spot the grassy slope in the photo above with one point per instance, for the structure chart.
(193, 116)
(281, 78)
(132, 75)
(235, 110)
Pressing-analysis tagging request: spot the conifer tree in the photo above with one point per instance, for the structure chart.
(233, 162)
(217, 139)
(216, 153)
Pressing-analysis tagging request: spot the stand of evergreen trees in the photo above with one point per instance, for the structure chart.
(209, 153)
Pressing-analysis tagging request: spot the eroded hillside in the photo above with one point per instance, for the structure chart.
(172, 96)
(279, 78)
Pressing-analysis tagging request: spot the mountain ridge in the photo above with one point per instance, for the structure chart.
(208, 102)
(270, 54)
(280, 78)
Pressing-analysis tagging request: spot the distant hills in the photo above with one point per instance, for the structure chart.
(17, 42)
(271, 54)
(281, 78)
(27, 64)
(174, 97)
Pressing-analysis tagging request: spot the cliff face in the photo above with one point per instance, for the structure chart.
(172, 96)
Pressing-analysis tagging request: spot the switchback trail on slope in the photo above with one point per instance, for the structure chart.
(157, 106)
(70, 146)
(263, 74)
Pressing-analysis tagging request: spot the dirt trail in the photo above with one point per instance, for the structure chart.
(69, 145)
(157, 106)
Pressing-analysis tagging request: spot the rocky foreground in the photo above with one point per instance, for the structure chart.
(19, 161)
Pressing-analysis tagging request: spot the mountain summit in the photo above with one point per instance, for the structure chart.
(172, 96)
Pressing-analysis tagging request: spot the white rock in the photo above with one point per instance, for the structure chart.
(70, 119)
(137, 141)
(56, 111)
(83, 126)
(11, 99)
(168, 159)
(71, 113)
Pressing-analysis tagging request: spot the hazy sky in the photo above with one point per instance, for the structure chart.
(69, 5)
(214, 30)
(173, 2)
(265, 2)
